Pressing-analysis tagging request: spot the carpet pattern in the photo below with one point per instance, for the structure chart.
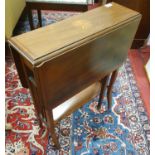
(26, 137)
(123, 130)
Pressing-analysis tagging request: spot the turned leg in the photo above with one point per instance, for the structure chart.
(103, 87)
(109, 92)
(51, 127)
(39, 18)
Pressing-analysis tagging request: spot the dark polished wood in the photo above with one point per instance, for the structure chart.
(103, 88)
(142, 6)
(49, 116)
(30, 17)
(39, 17)
(63, 63)
(109, 93)
(19, 66)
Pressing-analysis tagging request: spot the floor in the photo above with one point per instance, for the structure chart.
(138, 59)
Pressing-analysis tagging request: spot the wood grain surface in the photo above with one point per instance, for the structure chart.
(46, 42)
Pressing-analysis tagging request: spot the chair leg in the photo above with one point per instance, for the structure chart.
(109, 92)
(39, 18)
(103, 87)
(49, 116)
(30, 18)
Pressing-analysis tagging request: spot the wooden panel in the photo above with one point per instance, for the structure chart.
(142, 6)
(57, 6)
(60, 36)
(19, 66)
(71, 72)
(76, 102)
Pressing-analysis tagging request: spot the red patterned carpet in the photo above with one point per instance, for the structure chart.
(128, 116)
(138, 59)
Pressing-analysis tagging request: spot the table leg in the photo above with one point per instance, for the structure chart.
(19, 67)
(36, 103)
(27, 81)
(50, 121)
(109, 92)
(39, 17)
(103, 87)
(30, 18)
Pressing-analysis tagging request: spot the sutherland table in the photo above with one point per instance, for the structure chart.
(66, 61)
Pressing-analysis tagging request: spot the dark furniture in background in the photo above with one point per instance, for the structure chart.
(52, 5)
(142, 6)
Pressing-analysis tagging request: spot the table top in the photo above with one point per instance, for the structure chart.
(62, 1)
(50, 41)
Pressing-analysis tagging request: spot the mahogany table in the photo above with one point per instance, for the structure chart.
(70, 61)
